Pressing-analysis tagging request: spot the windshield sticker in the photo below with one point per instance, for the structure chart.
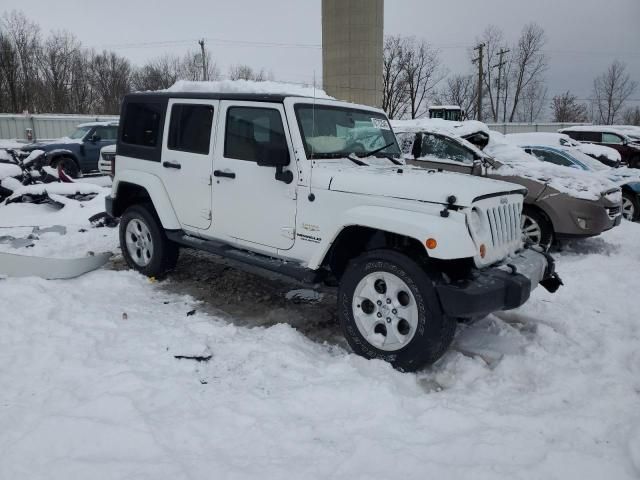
(380, 123)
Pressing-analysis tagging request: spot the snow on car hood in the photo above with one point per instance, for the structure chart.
(406, 182)
(516, 162)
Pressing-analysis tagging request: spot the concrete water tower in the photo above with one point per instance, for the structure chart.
(352, 42)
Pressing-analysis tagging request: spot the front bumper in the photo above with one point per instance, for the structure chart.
(498, 288)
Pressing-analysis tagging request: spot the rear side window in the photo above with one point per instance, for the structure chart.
(552, 157)
(440, 147)
(252, 132)
(190, 128)
(142, 124)
(611, 138)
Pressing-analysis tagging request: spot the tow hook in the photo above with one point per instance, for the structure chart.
(551, 281)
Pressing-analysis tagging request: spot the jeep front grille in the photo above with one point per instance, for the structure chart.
(504, 223)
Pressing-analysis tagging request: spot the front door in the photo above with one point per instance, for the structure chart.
(187, 159)
(441, 153)
(249, 203)
(97, 138)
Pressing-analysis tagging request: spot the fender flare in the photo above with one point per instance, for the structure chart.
(451, 233)
(54, 155)
(156, 191)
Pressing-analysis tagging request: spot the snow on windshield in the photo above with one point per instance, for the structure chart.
(516, 162)
(248, 86)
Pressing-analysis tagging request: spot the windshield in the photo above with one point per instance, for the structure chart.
(79, 133)
(335, 132)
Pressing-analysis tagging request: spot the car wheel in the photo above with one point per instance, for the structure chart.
(388, 309)
(630, 208)
(635, 162)
(536, 229)
(144, 244)
(69, 166)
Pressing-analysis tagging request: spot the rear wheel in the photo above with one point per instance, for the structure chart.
(144, 244)
(536, 229)
(388, 308)
(630, 208)
(69, 166)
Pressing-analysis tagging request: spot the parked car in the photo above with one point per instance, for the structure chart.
(78, 153)
(284, 183)
(614, 137)
(626, 178)
(107, 157)
(605, 155)
(560, 203)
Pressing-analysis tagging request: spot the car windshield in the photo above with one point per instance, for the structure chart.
(335, 132)
(79, 133)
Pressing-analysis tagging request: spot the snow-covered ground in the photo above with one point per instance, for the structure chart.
(90, 386)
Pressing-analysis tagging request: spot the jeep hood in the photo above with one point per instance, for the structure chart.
(408, 183)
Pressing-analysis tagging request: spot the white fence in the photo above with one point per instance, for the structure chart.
(43, 126)
(530, 127)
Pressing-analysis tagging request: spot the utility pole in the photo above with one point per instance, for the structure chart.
(480, 61)
(204, 61)
(499, 66)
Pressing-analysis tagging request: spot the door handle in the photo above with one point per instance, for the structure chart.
(220, 173)
(177, 166)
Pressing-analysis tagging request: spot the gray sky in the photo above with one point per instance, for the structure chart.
(584, 36)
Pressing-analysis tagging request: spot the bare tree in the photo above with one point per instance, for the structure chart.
(81, 95)
(461, 90)
(157, 74)
(529, 63)
(610, 92)
(394, 92)
(191, 67)
(111, 80)
(9, 74)
(631, 116)
(245, 72)
(532, 102)
(567, 109)
(422, 72)
(56, 63)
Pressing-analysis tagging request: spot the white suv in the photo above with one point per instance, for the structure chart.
(313, 189)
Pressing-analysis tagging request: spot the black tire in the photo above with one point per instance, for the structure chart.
(633, 199)
(635, 162)
(69, 166)
(433, 331)
(546, 229)
(165, 252)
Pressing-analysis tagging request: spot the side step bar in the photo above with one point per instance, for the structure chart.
(243, 257)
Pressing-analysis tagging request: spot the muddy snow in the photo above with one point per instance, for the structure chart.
(216, 373)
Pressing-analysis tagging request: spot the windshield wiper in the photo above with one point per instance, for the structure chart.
(377, 150)
(357, 161)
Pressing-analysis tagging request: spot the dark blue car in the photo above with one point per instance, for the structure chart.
(627, 178)
(79, 152)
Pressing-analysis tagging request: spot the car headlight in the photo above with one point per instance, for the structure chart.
(582, 222)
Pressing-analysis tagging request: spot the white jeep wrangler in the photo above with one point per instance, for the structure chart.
(313, 189)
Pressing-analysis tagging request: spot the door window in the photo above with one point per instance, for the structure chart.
(106, 133)
(190, 128)
(611, 138)
(253, 132)
(552, 157)
(442, 147)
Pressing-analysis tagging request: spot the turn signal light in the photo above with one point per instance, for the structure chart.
(431, 243)
(483, 250)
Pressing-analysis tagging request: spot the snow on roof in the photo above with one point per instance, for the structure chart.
(248, 86)
(598, 128)
(561, 139)
(458, 129)
(99, 124)
(516, 162)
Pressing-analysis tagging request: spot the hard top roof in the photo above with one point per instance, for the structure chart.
(249, 97)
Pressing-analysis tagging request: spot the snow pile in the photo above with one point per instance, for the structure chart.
(9, 170)
(560, 139)
(516, 162)
(76, 188)
(600, 151)
(94, 385)
(248, 86)
(459, 129)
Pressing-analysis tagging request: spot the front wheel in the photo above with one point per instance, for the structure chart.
(68, 166)
(144, 244)
(388, 308)
(536, 229)
(630, 208)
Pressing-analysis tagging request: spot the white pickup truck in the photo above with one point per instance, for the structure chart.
(313, 189)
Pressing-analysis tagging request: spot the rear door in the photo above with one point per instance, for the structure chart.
(249, 203)
(439, 152)
(187, 153)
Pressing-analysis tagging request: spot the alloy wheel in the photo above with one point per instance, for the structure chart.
(139, 242)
